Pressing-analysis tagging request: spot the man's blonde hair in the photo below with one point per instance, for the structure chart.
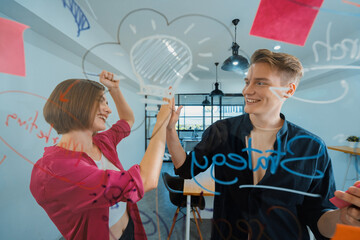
(287, 65)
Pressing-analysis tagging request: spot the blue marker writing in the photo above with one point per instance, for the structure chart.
(80, 18)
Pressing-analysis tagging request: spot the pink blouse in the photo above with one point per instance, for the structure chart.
(76, 194)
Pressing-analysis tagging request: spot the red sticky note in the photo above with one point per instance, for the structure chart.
(339, 202)
(346, 232)
(288, 21)
(12, 58)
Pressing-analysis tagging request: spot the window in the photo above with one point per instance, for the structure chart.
(194, 117)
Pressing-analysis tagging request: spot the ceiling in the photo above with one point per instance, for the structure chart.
(202, 31)
(211, 22)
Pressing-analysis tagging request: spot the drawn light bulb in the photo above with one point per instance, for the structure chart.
(160, 62)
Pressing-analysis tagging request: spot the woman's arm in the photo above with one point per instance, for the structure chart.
(150, 165)
(122, 107)
(176, 151)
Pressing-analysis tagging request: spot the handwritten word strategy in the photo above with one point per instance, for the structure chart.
(275, 157)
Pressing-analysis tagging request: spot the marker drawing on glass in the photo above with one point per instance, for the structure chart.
(2, 160)
(79, 16)
(274, 159)
(283, 90)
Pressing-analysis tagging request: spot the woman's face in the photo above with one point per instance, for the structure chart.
(101, 114)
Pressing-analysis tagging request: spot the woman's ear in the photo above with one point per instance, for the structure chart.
(291, 91)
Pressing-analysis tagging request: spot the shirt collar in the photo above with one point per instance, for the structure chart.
(248, 125)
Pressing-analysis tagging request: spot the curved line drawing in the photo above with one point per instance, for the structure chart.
(3, 159)
(159, 91)
(344, 84)
(172, 21)
(283, 90)
(340, 137)
(351, 3)
(281, 189)
(331, 67)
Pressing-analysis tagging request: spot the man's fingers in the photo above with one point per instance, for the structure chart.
(179, 110)
(354, 212)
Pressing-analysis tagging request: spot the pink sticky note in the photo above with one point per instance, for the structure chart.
(288, 21)
(339, 202)
(346, 232)
(12, 59)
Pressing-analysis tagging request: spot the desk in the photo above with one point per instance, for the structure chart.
(352, 152)
(191, 188)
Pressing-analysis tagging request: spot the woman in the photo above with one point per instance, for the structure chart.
(79, 179)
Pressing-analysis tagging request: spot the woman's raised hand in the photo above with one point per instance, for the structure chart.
(175, 113)
(107, 79)
(164, 114)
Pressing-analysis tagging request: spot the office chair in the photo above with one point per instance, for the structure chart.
(175, 186)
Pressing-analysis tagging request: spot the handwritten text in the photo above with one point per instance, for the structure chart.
(30, 124)
(338, 51)
(263, 162)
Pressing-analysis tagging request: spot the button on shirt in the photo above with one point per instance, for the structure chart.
(299, 161)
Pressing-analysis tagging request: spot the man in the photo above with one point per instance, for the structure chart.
(272, 177)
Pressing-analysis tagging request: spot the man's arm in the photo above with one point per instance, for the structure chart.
(327, 223)
(178, 155)
(122, 107)
(348, 215)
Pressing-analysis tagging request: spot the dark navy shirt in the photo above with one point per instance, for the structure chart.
(299, 161)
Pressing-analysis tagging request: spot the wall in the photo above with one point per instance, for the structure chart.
(333, 122)
(20, 215)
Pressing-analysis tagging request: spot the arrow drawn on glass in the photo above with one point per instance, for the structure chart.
(62, 95)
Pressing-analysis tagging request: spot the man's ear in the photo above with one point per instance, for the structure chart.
(291, 91)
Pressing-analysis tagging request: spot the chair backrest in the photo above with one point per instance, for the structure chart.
(175, 187)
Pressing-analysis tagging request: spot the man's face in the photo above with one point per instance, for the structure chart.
(259, 99)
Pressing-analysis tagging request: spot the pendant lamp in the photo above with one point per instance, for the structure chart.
(216, 91)
(236, 62)
(206, 102)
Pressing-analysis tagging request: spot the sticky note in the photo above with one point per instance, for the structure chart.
(346, 232)
(339, 202)
(12, 57)
(288, 21)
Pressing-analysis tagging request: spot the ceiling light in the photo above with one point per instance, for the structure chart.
(216, 91)
(236, 62)
(206, 102)
(277, 47)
